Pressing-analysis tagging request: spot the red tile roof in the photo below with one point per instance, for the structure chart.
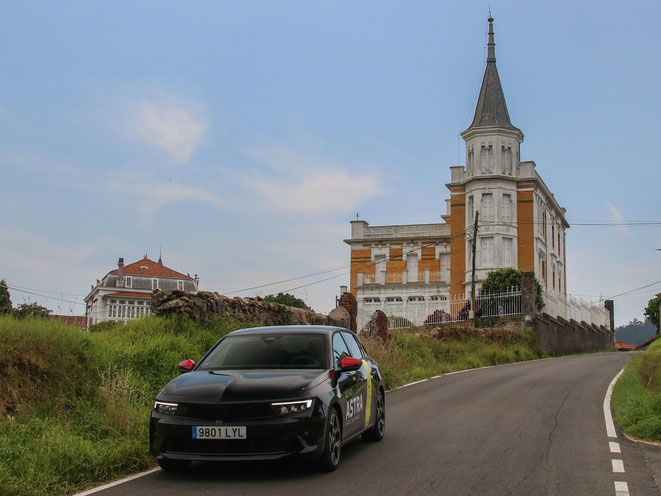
(73, 320)
(130, 294)
(151, 269)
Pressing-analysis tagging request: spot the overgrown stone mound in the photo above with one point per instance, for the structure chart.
(201, 305)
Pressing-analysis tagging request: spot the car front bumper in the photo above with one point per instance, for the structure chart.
(266, 439)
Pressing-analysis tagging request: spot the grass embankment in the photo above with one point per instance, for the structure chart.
(74, 407)
(411, 357)
(637, 395)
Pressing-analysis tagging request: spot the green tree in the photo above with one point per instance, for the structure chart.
(5, 300)
(502, 280)
(652, 311)
(287, 299)
(25, 310)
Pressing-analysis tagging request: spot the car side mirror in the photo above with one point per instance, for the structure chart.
(350, 363)
(186, 365)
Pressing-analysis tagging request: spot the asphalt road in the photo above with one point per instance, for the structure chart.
(533, 428)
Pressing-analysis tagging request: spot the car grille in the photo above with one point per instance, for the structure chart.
(227, 412)
(225, 446)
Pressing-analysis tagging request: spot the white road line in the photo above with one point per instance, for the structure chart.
(621, 489)
(118, 482)
(614, 447)
(618, 466)
(608, 417)
(412, 383)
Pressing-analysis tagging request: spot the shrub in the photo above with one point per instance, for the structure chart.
(106, 325)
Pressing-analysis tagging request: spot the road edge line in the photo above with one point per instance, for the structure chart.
(118, 482)
(608, 415)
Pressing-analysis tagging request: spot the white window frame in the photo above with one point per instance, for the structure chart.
(487, 254)
(180, 285)
(155, 284)
(506, 208)
(486, 206)
(506, 261)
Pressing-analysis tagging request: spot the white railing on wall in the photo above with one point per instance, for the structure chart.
(403, 313)
(569, 308)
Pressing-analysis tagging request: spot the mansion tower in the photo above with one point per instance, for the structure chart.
(520, 223)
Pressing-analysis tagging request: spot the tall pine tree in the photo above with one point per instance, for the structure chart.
(5, 300)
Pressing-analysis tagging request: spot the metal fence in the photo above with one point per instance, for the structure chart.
(570, 308)
(403, 314)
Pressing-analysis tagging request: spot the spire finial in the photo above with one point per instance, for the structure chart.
(160, 259)
(491, 46)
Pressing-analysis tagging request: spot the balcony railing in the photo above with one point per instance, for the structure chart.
(423, 276)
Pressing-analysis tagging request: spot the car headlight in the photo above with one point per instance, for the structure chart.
(291, 406)
(170, 408)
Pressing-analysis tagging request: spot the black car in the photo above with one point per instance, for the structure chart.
(267, 393)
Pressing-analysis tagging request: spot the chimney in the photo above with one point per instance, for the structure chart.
(197, 282)
(120, 268)
(343, 289)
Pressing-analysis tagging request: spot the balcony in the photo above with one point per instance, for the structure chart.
(404, 277)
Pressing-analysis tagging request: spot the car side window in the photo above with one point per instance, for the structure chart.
(353, 345)
(340, 349)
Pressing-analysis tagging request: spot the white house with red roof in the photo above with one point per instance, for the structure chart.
(125, 293)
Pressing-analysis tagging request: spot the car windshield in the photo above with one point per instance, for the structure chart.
(269, 351)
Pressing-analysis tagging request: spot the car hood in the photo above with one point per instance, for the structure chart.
(244, 385)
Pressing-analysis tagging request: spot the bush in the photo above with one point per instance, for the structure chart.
(503, 280)
(106, 325)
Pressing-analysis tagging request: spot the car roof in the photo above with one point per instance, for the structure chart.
(309, 329)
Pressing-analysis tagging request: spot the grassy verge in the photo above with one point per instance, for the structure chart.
(411, 357)
(637, 396)
(74, 407)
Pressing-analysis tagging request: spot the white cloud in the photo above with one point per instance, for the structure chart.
(172, 124)
(154, 196)
(308, 185)
(617, 217)
(317, 192)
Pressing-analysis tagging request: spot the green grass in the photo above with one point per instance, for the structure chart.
(74, 406)
(637, 396)
(411, 357)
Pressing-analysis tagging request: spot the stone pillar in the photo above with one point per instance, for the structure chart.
(528, 296)
(405, 276)
(609, 304)
(427, 276)
(349, 302)
(378, 325)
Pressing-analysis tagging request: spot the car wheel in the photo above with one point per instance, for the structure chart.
(377, 432)
(330, 458)
(170, 465)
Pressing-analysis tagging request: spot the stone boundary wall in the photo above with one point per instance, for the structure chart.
(560, 336)
(200, 305)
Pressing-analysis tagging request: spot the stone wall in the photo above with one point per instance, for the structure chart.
(200, 305)
(559, 336)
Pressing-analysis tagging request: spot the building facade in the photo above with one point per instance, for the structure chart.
(125, 293)
(520, 223)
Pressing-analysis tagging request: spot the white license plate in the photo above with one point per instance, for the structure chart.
(219, 432)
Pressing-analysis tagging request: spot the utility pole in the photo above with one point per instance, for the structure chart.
(471, 313)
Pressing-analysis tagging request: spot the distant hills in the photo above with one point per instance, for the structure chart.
(635, 332)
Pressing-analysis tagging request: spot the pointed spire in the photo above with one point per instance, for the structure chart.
(491, 109)
(491, 45)
(160, 259)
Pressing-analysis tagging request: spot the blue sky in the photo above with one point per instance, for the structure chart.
(242, 137)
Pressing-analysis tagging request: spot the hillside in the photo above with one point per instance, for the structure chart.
(74, 406)
(635, 332)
